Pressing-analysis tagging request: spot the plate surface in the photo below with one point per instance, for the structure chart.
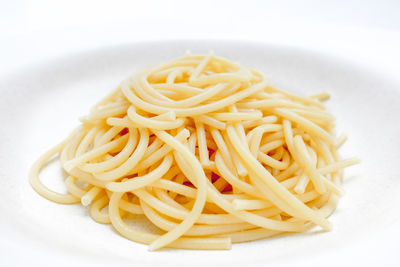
(40, 106)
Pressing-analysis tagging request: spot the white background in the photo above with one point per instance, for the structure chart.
(364, 31)
(33, 31)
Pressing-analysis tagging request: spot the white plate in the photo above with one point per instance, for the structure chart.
(40, 106)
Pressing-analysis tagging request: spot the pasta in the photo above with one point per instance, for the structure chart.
(207, 151)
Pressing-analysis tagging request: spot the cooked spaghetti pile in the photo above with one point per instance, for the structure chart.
(207, 151)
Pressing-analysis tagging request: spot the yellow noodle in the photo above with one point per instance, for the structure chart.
(89, 196)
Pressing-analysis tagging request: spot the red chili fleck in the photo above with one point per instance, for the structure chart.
(187, 183)
(214, 177)
(210, 152)
(124, 131)
(227, 188)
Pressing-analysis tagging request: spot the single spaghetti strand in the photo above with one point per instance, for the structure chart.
(200, 198)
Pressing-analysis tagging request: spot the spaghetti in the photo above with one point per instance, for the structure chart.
(207, 151)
